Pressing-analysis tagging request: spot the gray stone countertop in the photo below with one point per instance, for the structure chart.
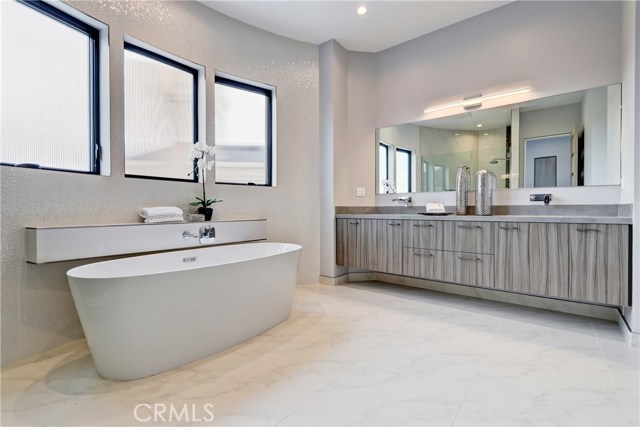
(500, 218)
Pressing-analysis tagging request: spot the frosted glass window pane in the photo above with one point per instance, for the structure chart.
(241, 136)
(403, 170)
(159, 118)
(46, 98)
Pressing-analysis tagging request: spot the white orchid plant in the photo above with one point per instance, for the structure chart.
(205, 154)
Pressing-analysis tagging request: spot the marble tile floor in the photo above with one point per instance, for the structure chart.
(361, 354)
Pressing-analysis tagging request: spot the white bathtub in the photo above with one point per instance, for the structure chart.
(146, 314)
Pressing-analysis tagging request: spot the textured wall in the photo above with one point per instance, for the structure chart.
(37, 311)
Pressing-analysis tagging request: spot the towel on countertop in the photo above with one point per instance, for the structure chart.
(161, 214)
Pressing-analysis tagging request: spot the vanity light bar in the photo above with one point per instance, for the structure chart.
(476, 101)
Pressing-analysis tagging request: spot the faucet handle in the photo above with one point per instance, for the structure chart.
(207, 235)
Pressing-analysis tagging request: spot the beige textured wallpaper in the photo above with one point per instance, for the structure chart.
(37, 311)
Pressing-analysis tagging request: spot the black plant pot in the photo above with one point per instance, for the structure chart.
(207, 212)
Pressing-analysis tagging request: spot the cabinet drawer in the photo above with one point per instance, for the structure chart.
(468, 269)
(468, 236)
(423, 234)
(423, 263)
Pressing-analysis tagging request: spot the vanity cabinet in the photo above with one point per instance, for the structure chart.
(581, 262)
(598, 267)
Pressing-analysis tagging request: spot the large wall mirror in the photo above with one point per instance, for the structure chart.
(559, 141)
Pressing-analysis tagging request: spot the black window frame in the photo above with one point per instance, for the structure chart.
(94, 82)
(195, 73)
(269, 122)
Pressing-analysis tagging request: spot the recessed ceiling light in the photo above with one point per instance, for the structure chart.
(457, 134)
(479, 125)
(486, 134)
(362, 10)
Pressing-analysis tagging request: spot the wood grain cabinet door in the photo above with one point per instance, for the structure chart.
(468, 236)
(599, 263)
(469, 269)
(549, 259)
(342, 244)
(512, 256)
(389, 246)
(422, 234)
(423, 263)
(366, 247)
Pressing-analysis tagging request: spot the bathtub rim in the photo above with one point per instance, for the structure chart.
(72, 273)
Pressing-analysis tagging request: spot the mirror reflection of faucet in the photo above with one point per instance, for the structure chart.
(405, 200)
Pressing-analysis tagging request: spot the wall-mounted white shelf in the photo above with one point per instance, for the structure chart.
(50, 244)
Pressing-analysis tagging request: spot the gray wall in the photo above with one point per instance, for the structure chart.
(37, 311)
(552, 47)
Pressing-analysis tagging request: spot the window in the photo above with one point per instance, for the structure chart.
(383, 168)
(243, 133)
(161, 120)
(50, 89)
(403, 170)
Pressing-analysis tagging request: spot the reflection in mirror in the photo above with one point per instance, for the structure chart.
(560, 141)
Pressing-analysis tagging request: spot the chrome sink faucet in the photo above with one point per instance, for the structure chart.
(206, 235)
(405, 200)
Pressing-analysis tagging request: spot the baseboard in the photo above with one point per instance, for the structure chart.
(632, 338)
(581, 309)
(333, 281)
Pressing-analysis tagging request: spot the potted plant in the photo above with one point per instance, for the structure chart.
(203, 152)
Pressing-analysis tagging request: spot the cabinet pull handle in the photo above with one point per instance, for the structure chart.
(467, 226)
(585, 230)
(504, 227)
(422, 254)
(394, 223)
(354, 222)
(423, 225)
(466, 258)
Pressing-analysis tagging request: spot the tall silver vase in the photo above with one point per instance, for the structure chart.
(485, 183)
(462, 186)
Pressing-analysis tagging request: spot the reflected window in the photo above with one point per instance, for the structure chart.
(243, 133)
(383, 168)
(49, 81)
(403, 170)
(160, 106)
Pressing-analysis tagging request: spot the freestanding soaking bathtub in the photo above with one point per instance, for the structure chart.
(147, 314)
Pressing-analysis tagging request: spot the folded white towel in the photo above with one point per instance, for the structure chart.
(160, 210)
(156, 219)
(161, 214)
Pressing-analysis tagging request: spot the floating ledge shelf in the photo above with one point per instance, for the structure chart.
(51, 244)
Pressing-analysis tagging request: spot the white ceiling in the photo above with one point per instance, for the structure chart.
(386, 24)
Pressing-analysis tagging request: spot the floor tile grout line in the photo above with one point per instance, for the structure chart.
(613, 383)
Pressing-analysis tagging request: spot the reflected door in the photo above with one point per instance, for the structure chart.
(548, 161)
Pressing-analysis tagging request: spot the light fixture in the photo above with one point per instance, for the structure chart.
(486, 134)
(362, 10)
(479, 125)
(476, 100)
(457, 134)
